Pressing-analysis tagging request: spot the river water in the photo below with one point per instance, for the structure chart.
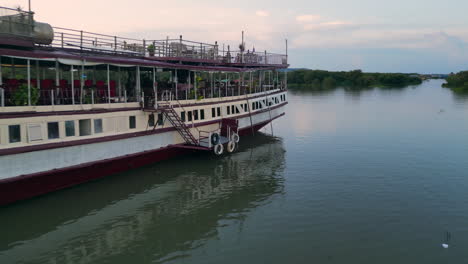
(375, 176)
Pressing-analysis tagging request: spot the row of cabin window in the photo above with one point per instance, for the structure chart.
(53, 132)
(193, 115)
(230, 110)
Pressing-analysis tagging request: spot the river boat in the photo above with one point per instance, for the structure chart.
(76, 106)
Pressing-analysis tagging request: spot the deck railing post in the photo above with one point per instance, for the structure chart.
(125, 95)
(61, 39)
(144, 48)
(115, 43)
(52, 97)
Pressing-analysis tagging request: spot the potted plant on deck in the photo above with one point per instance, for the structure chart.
(151, 49)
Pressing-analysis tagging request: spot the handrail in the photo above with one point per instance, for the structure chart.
(178, 48)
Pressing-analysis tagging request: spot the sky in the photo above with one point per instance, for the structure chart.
(373, 35)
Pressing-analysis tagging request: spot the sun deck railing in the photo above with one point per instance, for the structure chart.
(164, 49)
(88, 41)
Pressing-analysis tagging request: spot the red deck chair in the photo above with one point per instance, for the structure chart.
(112, 88)
(101, 88)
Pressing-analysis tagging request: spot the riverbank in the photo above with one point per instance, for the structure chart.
(358, 80)
(457, 82)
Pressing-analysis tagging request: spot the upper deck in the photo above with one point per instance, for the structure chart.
(18, 28)
(44, 65)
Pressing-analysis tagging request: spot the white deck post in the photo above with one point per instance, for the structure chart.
(108, 85)
(250, 83)
(38, 76)
(176, 85)
(211, 83)
(2, 91)
(138, 85)
(286, 80)
(155, 89)
(238, 85)
(260, 75)
(81, 82)
(29, 82)
(226, 84)
(195, 83)
(57, 75)
(119, 83)
(189, 84)
(2, 97)
(72, 84)
(1, 77)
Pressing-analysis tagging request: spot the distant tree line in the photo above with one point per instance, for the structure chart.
(318, 79)
(458, 82)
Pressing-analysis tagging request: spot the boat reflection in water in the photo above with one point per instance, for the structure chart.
(157, 213)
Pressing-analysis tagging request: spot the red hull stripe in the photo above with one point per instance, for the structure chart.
(25, 149)
(27, 186)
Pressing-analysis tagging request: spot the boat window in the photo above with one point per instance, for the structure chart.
(202, 114)
(219, 111)
(195, 114)
(70, 128)
(233, 111)
(161, 119)
(53, 130)
(237, 110)
(151, 121)
(85, 127)
(132, 122)
(182, 116)
(228, 110)
(213, 112)
(14, 132)
(253, 106)
(189, 116)
(97, 126)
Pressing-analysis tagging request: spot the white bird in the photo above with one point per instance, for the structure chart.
(445, 245)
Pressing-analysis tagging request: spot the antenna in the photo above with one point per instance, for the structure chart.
(29, 5)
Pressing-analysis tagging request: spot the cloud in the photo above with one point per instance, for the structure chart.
(307, 18)
(262, 13)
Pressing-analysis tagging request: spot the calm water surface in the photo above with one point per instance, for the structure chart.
(377, 176)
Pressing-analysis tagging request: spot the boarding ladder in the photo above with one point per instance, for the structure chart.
(177, 123)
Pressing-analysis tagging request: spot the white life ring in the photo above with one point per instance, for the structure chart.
(235, 137)
(231, 146)
(218, 149)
